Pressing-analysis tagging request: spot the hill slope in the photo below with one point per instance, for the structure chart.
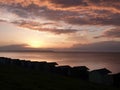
(17, 78)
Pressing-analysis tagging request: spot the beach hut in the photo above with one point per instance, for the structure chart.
(116, 80)
(64, 70)
(42, 66)
(81, 72)
(15, 62)
(4, 60)
(24, 63)
(52, 66)
(34, 65)
(101, 76)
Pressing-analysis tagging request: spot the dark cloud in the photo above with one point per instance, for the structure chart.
(106, 3)
(13, 47)
(112, 33)
(69, 3)
(105, 46)
(3, 21)
(41, 27)
(73, 12)
(108, 19)
(21, 47)
(89, 4)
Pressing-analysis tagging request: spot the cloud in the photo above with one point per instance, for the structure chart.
(110, 5)
(70, 12)
(103, 46)
(112, 33)
(68, 3)
(22, 47)
(42, 27)
(105, 18)
(2, 20)
(13, 47)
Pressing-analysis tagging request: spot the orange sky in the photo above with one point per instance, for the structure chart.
(60, 24)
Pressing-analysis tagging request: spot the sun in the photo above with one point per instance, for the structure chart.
(35, 44)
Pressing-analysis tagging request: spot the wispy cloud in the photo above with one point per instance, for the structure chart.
(106, 46)
(70, 11)
(111, 33)
(43, 27)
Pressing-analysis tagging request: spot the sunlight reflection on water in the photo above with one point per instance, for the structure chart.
(91, 60)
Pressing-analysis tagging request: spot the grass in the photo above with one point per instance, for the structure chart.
(18, 78)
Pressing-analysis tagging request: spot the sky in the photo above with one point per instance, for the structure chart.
(80, 25)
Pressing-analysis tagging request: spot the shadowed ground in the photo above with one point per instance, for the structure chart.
(18, 78)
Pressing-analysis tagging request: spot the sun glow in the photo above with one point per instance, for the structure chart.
(35, 44)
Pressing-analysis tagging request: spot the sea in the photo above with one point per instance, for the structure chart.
(93, 60)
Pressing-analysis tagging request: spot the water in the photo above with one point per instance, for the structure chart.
(91, 60)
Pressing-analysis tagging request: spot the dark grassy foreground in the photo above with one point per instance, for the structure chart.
(17, 78)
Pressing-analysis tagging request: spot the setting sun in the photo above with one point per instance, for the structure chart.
(35, 44)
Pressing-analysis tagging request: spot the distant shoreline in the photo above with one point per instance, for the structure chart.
(50, 51)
